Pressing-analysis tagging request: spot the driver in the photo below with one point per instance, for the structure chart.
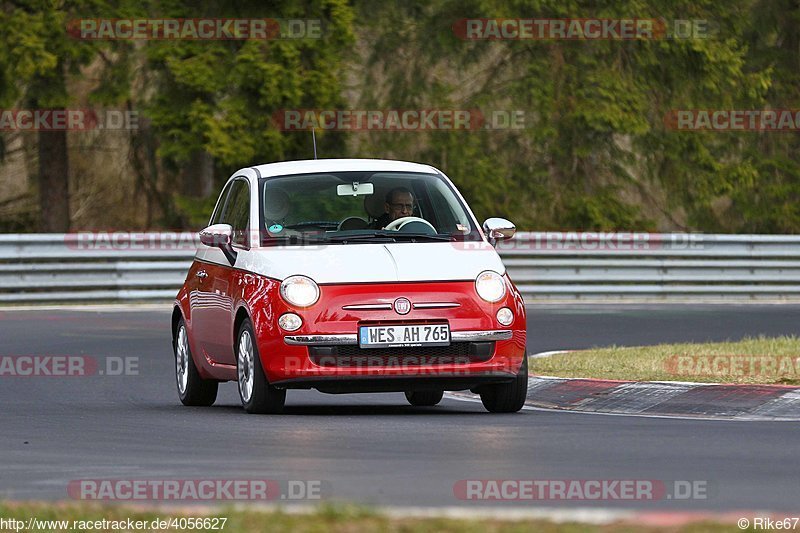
(399, 203)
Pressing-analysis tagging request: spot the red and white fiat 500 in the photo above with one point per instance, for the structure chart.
(349, 275)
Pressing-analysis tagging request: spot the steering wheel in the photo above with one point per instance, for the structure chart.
(351, 223)
(402, 221)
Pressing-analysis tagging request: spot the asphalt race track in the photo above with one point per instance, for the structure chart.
(375, 448)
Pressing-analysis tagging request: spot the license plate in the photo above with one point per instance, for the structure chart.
(404, 336)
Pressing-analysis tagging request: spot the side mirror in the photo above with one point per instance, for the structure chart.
(497, 229)
(219, 236)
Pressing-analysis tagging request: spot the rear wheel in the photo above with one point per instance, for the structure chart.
(507, 397)
(424, 398)
(257, 395)
(192, 389)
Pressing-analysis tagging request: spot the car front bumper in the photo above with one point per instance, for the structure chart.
(325, 352)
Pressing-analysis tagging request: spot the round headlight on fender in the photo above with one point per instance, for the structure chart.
(301, 291)
(490, 286)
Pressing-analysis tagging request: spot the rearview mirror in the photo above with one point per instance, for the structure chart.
(355, 189)
(497, 229)
(219, 236)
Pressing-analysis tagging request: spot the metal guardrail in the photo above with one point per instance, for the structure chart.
(94, 266)
(546, 266)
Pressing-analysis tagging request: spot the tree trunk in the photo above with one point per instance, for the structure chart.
(54, 181)
(198, 176)
(53, 158)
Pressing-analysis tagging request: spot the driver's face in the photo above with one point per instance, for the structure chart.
(402, 205)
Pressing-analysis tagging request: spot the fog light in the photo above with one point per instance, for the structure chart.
(505, 316)
(290, 322)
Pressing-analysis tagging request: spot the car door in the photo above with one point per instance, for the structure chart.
(212, 304)
(237, 214)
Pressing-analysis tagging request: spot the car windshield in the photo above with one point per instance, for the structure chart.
(354, 207)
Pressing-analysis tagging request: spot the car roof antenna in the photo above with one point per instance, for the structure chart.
(314, 140)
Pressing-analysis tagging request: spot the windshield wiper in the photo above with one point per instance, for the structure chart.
(386, 236)
(376, 236)
(422, 236)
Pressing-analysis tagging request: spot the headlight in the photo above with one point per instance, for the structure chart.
(490, 286)
(300, 291)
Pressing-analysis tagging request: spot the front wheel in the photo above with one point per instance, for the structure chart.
(424, 398)
(507, 397)
(257, 395)
(192, 389)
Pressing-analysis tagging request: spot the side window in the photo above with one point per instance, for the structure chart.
(237, 211)
(216, 216)
(449, 215)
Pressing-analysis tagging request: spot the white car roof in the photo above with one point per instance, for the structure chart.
(309, 166)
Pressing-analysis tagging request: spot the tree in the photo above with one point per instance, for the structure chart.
(594, 153)
(211, 103)
(38, 57)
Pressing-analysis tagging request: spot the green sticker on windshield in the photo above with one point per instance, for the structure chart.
(275, 228)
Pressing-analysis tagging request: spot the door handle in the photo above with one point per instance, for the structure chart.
(202, 274)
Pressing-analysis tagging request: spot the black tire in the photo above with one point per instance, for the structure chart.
(507, 397)
(197, 391)
(427, 398)
(263, 397)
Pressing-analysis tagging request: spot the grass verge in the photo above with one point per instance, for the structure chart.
(759, 360)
